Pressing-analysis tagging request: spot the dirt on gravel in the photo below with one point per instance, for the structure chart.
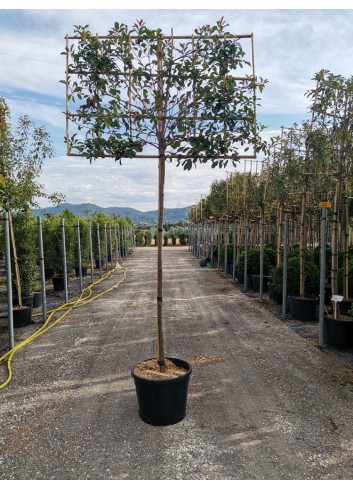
(264, 402)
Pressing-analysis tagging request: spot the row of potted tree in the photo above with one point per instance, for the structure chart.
(105, 246)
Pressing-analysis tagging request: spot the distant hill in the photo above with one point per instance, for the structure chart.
(139, 217)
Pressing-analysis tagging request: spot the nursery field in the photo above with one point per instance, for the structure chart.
(264, 401)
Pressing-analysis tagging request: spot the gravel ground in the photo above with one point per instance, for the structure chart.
(264, 401)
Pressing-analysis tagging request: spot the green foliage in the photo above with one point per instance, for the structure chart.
(148, 238)
(253, 262)
(139, 238)
(229, 253)
(312, 277)
(173, 239)
(350, 279)
(22, 155)
(25, 230)
(183, 239)
(165, 239)
(191, 71)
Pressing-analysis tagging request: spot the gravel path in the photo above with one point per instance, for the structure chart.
(264, 402)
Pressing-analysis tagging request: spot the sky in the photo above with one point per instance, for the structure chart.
(291, 45)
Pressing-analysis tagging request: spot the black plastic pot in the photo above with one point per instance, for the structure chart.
(345, 306)
(83, 271)
(303, 308)
(271, 290)
(241, 279)
(27, 300)
(338, 333)
(204, 262)
(48, 273)
(163, 402)
(22, 316)
(256, 283)
(58, 283)
(37, 299)
(103, 262)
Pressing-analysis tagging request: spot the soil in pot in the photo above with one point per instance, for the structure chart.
(162, 397)
(303, 308)
(338, 332)
(22, 316)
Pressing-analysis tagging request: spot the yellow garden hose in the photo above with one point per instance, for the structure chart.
(67, 307)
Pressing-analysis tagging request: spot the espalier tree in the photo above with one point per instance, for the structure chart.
(137, 90)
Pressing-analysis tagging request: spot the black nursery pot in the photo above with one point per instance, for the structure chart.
(58, 283)
(37, 299)
(303, 308)
(83, 271)
(338, 332)
(163, 402)
(22, 317)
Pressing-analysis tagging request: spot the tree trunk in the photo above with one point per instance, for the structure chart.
(346, 255)
(160, 339)
(161, 179)
(302, 241)
(14, 252)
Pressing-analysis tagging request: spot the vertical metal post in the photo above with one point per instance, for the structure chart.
(285, 261)
(322, 276)
(110, 245)
(79, 256)
(211, 241)
(123, 242)
(90, 248)
(234, 247)
(8, 279)
(218, 244)
(106, 246)
(99, 251)
(64, 259)
(42, 269)
(246, 231)
(115, 246)
(262, 257)
(119, 242)
(225, 247)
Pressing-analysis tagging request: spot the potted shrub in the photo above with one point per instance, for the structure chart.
(254, 267)
(302, 308)
(24, 231)
(229, 256)
(153, 60)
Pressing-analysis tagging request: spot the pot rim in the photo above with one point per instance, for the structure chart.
(163, 381)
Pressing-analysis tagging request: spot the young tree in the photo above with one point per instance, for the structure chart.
(137, 89)
(22, 154)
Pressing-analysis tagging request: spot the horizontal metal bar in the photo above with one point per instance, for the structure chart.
(154, 75)
(134, 116)
(168, 156)
(224, 36)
